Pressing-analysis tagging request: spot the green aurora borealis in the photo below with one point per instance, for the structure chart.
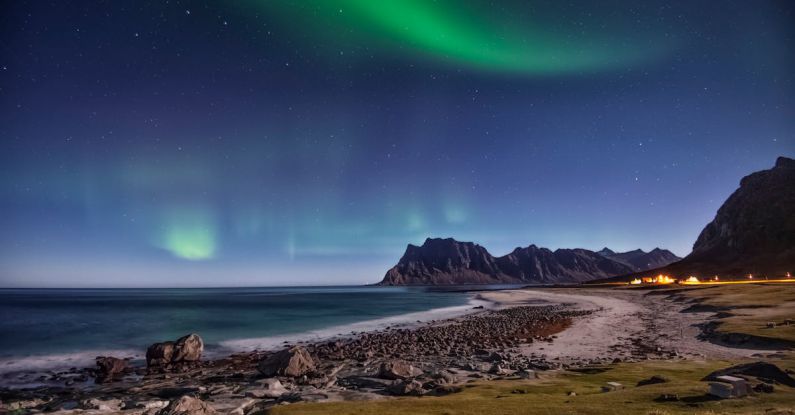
(476, 35)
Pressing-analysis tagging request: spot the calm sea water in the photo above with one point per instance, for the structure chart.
(45, 325)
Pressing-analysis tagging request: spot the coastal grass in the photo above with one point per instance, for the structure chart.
(550, 395)
(752, 307)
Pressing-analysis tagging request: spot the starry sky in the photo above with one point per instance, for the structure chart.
(296, 142)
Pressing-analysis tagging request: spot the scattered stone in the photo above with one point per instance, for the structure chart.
(187, 405)
(294, 362)
(572, 393)
(497, 369)
(527, 374)
(398, 369)
(101, 405)
(407, 387)
(145, 405)
(444, 377)
(109, 367)
(267, 388)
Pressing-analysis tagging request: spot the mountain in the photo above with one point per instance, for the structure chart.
(447, 261)
(541, 265)
(640, 260)
(752, 233)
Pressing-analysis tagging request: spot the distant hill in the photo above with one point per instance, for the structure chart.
(752, 233)
(447, 261)
(640, 260)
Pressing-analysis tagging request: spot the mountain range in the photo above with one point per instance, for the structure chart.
(753, 233)
(447, 261)
(640, 260)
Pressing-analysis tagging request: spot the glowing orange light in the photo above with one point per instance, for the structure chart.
(636, 281)
(750, 276)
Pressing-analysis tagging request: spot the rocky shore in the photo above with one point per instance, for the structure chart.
(433, 358)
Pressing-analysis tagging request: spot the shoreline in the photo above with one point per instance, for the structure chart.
(52, 362)
(521, 333)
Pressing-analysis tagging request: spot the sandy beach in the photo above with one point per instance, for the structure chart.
(623, 320)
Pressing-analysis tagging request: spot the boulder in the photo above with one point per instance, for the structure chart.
(398, 369)
(186, 349)
(187, 405)
(109, 367)
(294, 362)
(159, 354)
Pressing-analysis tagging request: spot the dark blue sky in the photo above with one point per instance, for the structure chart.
(307, 142)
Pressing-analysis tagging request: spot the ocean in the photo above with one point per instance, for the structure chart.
(51, 328)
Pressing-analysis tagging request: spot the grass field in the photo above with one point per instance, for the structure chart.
(550, 395)
(752, 307)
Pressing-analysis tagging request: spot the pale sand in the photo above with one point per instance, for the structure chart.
(621, 315)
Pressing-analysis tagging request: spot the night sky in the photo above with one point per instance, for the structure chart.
(182, 143)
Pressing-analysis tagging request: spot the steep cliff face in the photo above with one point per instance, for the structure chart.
(447, 261)
(754, 230)
(752, 233)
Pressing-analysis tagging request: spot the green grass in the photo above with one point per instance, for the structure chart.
(753, 307)
(550, 395)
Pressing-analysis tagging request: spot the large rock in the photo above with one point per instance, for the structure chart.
(398, 369)
(110, 367)
(295, 361)
(186, 349)
(159, 354)
(187, 405)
